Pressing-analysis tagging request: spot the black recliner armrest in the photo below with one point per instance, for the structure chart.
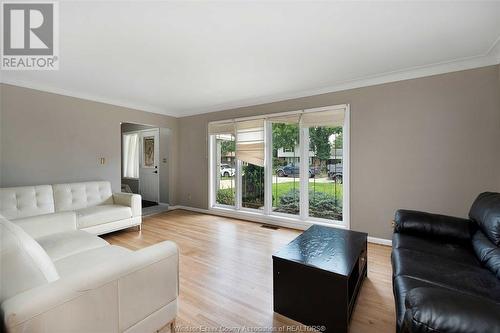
(442, 310)
(435, 225)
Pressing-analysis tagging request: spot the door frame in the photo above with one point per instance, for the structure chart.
(141, 147)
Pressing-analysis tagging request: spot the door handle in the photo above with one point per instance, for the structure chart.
(156, 171)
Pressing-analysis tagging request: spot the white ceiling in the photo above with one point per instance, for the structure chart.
(183, 58)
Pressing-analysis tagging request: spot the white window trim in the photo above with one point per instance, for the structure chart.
(267, 215)
(304, 173)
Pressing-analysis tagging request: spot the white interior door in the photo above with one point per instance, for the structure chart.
(148, 169)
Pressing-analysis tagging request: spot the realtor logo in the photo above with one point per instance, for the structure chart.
(30, 36)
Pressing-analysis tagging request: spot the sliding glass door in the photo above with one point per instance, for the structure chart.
(291, 166)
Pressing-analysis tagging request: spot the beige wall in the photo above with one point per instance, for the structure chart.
(48, 138)
(428, 144)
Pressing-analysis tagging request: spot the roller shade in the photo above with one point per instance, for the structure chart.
(221, 128)
(286, 119)
(250, 141)
(330, 118)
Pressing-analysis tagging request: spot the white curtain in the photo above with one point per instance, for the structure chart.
(131, 155)
(250, 141)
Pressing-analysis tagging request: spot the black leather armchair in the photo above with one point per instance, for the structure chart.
(446, 270)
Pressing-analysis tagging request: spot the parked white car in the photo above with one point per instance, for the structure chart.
(226, 170)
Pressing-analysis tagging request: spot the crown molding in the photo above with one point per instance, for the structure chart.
(495, 50)
(89, 97)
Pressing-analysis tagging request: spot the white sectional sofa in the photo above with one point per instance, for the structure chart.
(55, 278)
(97, 210)
(57, 275)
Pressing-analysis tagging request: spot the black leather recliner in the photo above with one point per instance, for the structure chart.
(446, 270)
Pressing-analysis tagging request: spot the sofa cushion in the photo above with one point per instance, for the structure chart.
(441, 310)
(24, 264)
(435, 269)
(487, 252)
(43, 225)
(76, 196)
(402, 285)
(486, 212)
(65, 244)
(459, 252)
(90, 216)
(85, 260)
(25, 201)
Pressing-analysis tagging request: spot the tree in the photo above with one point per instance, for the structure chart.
(285, 136)
(319, 143)
(227, 146)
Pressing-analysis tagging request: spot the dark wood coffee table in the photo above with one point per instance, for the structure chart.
(318, 275)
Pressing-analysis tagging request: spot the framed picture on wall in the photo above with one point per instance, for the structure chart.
(149, 152)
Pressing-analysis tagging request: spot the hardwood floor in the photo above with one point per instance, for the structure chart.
(226, 273)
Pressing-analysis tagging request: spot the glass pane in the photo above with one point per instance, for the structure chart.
(286, 166)
(225, 178)
(326, 172)
(252, 186)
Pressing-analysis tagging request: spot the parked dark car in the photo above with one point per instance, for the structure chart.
(293, 170)
(335, 172)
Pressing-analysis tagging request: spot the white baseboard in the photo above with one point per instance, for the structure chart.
(193, 209)
(381, 241)
(267, 220)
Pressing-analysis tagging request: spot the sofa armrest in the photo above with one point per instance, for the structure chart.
(442, 310)
(131, 200)
(427, 224)
(47, 224)
(122, 292)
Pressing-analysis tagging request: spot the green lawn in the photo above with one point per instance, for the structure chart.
(280, 189)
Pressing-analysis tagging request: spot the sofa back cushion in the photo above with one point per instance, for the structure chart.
(26, 201)
(485, 211)
(24, 264)
(487, 252)
(76, 196)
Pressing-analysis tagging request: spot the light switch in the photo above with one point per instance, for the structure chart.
(102, 160)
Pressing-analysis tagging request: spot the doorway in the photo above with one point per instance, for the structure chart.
(144, 163)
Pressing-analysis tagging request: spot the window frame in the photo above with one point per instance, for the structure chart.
(213, 170)
(266, 214)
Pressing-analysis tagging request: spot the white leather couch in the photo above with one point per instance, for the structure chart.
(56, 278)
(96, 209)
